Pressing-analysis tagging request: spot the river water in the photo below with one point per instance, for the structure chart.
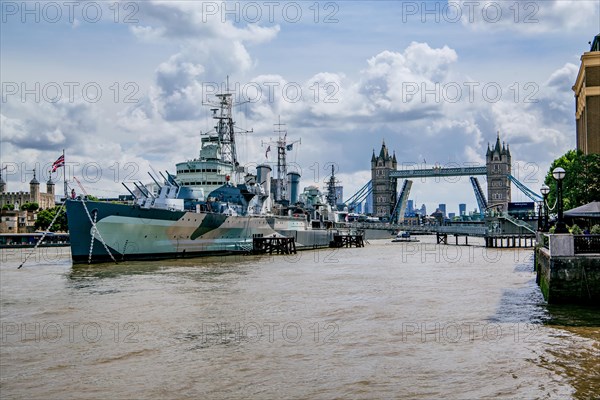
(391, 320)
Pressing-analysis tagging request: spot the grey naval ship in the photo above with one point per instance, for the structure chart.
(212, 205)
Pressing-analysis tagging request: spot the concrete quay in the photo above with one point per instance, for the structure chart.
(568, 268)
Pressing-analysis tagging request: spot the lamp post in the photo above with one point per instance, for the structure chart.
(539, 223)
(545, 190)
(559, 175)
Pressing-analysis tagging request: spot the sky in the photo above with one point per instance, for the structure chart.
(120, 86)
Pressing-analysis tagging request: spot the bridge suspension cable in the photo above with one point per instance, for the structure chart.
(359, 196)
(528, 192)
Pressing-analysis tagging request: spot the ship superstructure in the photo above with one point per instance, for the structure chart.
(217, 163)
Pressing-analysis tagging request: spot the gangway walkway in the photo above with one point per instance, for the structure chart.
(516, 222)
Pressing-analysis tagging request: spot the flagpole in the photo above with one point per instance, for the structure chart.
(65, 175)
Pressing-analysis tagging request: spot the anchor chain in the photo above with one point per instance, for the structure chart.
(124, 249)
(95, 230)
(43, 236)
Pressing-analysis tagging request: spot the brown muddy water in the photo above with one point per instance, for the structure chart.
(391, 320)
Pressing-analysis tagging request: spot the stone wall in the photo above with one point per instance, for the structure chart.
(574, 279)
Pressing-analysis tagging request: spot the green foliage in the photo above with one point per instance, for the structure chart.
(581, 184)
(45, 217)
(30, 206)
(595, 230)
(8, 207)
(92, 197)
(576, 230)
(552, 229)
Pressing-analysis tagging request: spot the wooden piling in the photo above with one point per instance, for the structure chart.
(442, 238)
(273, 245)
(347, 241)
(509, 241)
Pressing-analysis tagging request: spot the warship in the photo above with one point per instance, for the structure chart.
(211, 206)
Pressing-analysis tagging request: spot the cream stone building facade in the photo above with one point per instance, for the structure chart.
(587, 100)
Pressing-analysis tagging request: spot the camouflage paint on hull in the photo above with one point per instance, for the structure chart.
(133, 233)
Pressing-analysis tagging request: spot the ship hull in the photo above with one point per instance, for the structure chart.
(132, 233)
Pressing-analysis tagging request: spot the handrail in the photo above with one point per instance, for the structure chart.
(517, 222)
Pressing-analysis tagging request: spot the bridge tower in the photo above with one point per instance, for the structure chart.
(498, 165)
(384, 187)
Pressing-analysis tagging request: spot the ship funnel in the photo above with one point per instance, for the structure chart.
(293, 182)
(263, 177)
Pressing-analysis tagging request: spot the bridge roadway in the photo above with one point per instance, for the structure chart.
(480, 231)
(462, 230)
(438, 171)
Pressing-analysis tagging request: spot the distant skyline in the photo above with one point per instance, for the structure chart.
(120, 85)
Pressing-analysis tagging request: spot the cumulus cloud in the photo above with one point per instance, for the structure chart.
(211, 48)
(197, 20)
(526, 16)
(563, 78)
(392, 79)
(46, 126)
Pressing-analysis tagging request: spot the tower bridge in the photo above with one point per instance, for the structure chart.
(387, 203)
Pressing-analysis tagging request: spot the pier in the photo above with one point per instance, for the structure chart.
(273, 245)
(442, 238)
(347, 241)
(492, 240)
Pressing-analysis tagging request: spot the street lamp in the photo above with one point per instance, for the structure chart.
(545, 190)
(559, 175)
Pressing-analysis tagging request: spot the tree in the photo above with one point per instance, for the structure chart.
(30, 206)
(581, 184)
(8, 207)
(45, 217)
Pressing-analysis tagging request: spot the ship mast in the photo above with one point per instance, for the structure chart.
(225, 128)
(282, 146)
(331, 194)
(281, 193)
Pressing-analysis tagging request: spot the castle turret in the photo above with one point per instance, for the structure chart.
(34, 189)
(498, 162)
(50, 186)
(384, 188)
(2, 184)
